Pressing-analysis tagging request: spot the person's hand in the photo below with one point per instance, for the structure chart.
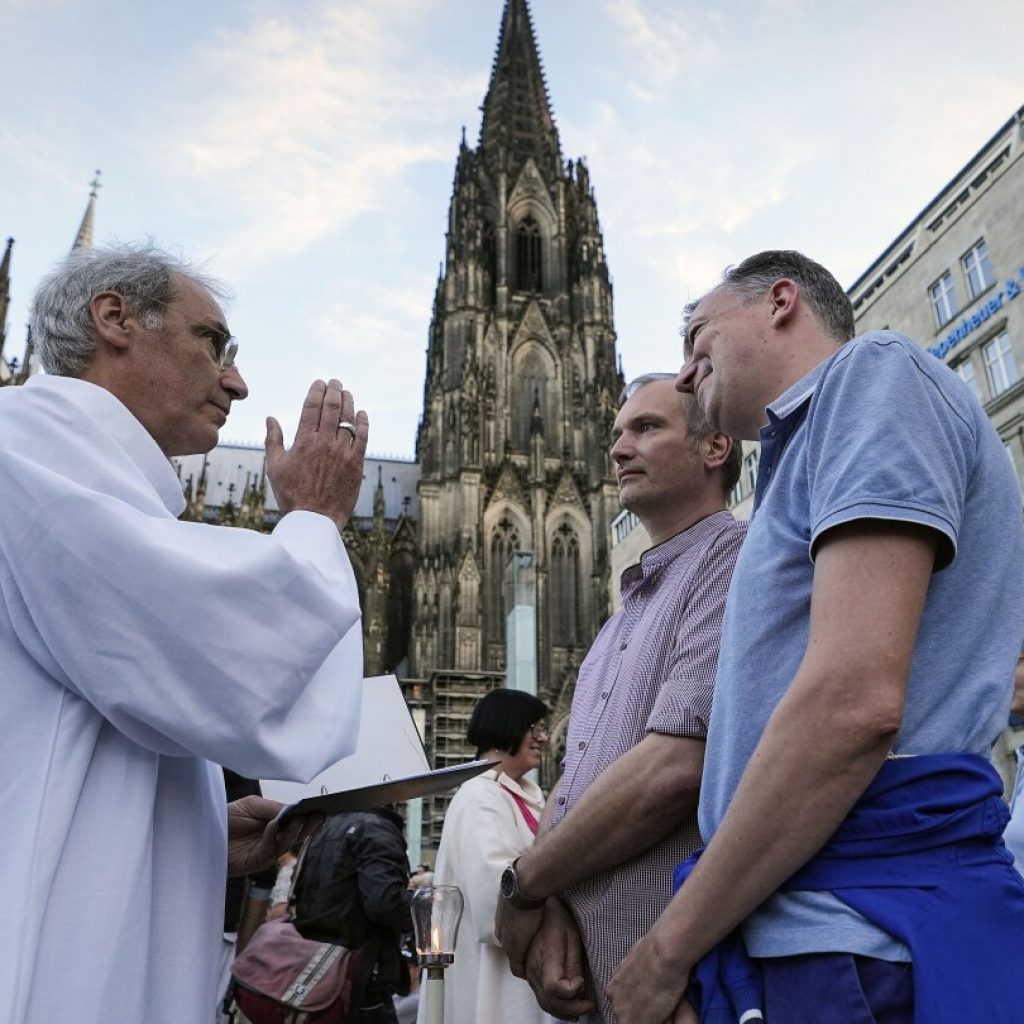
(323, 470)
(685, 1014)
(277, 910)
(554, 964)
(647, 989)
(254, 839)
(515, 930)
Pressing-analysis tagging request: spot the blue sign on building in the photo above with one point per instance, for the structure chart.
(971, 323)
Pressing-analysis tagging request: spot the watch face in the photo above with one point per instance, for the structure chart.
(508, 883)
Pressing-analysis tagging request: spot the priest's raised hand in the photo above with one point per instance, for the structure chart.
(323, 470)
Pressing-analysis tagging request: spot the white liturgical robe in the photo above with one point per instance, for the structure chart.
(137, 652)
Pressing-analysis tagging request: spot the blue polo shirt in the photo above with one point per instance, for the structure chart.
(879, 430)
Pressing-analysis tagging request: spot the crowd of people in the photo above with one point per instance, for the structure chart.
(776, 801)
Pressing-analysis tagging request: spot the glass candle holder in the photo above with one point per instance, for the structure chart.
(436, 913)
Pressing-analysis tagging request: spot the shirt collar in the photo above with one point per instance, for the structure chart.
(112, 416)
(524, 787)
(654, 559)
(797, 395)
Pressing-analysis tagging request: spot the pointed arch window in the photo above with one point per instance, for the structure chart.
(532, 373)
(445, 624)
(566, 588)
(528, 268)
(399, 607)
(504, 541)
(490, 260)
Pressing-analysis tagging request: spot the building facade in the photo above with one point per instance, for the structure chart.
(952, 281)
(519, 400)
(229, 487)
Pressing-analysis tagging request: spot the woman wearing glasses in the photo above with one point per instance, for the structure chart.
(490, 821)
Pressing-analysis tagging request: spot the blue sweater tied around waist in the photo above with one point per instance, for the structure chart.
(921, 856)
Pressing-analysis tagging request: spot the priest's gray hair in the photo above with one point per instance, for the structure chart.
(61, 317)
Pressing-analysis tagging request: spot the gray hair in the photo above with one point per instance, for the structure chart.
(822, 292)
(61, 317)
(697, 426)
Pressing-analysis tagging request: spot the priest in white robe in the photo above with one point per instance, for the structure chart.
(138, 652)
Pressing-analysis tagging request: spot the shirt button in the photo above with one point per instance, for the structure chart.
(623, 645)
(583, 745)
(561, 801)
(604, 695)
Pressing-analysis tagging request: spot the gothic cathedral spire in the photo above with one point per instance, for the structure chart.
(517, 119)
(521, 390)
(83, 240)
(5, 291)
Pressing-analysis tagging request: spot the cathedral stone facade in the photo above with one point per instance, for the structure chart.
(520, 395)
(229, 487)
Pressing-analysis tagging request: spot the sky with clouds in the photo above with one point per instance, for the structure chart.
(304, 151)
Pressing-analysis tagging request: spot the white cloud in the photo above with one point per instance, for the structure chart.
(314, 120)
(659, 38)
(367, 318)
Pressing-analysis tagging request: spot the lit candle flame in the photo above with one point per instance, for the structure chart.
(435, 940)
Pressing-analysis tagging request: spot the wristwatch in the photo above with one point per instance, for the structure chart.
(510, 890)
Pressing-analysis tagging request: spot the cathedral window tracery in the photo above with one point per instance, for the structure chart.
(533, 373)
(566, 588)
(490, 262)
(528, 256)
(504, 541)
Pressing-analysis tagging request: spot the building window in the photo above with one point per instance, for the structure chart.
(528, 275)
(1000, 365)
(965, 371)
(566, 588)
(943, 296)
(750, 461)
(623, 525)
(532, 372)
(977, 269)
(504, 542)
(490, 260)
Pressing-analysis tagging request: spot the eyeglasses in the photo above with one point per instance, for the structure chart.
(225, 347)
(539, 731)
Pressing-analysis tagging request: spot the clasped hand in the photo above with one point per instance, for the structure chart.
(545, 948)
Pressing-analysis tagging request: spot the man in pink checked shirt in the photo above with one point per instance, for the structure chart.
(623, 814)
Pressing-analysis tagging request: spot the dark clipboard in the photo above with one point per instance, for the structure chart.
(390, 791)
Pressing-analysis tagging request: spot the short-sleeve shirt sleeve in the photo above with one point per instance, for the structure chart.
(885, 441)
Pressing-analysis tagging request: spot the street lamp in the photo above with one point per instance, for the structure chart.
(436, 913)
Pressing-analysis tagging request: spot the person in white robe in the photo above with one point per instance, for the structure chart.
(489, 822)
(139, 652)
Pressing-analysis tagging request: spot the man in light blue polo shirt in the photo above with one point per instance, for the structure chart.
(875, 614)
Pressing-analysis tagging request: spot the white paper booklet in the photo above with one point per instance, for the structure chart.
(389, 747)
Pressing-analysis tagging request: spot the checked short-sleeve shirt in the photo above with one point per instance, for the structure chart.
(651, 669)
